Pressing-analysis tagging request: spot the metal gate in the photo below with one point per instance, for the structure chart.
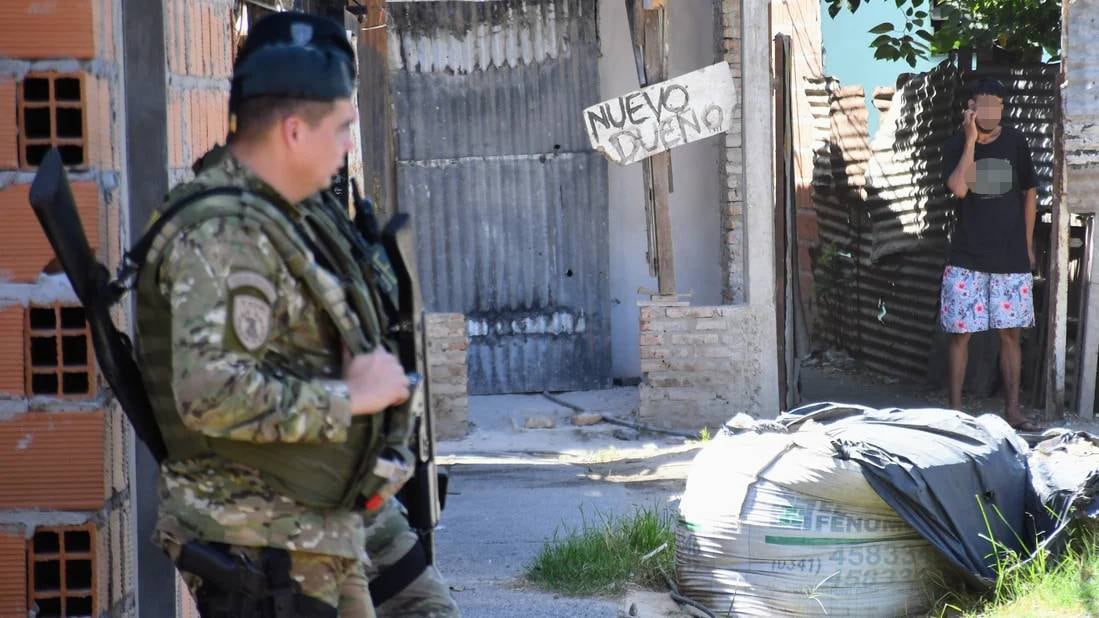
(509, 201)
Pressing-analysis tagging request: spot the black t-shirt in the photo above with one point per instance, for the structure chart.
(990, 226)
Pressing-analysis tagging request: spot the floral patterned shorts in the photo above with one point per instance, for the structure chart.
(974, 301)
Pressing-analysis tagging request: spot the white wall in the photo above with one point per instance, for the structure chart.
(695, 203)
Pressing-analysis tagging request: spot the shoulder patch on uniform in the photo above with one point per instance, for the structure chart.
(251, 320)
(249, 279)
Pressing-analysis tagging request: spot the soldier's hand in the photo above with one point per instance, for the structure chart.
(376, 381)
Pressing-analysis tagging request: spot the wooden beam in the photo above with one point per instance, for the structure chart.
(1088, 350)
(782, 328)
(1057, 286)
(662, 223)
(379, 154)
(659, 165)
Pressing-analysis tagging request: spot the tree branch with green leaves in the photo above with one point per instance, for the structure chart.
(928, 27)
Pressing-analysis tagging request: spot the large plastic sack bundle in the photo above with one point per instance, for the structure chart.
(773, 523)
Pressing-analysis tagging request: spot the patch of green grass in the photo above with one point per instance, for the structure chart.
(1039, 587)
(704, 435)
(605, 555)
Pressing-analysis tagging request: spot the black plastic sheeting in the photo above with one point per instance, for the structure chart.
(969, 485)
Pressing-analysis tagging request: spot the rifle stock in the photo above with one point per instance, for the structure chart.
(53, 204)
(423, 495)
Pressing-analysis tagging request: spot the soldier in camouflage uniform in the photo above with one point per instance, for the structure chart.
(249, 356)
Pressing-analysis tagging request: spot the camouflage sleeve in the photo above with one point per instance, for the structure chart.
(222, 279)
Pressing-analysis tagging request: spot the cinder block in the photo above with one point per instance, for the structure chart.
(99, 147)
(13, 574)
(194, 39)
(205, 41)
(711, 324)
(24, 250)
(37, 477)
(695, 339)
(665, 326)
(12, 377)
(177, 29)
(446, 355)
(9, 147)
(653, 352)
(175, 141)
(35, 30)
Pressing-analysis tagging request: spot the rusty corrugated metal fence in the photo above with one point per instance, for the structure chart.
(509, 201)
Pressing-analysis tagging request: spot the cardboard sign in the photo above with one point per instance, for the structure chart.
(660, 117)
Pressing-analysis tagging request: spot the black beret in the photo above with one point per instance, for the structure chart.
(294, 55)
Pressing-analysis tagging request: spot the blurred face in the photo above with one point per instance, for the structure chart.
(319, 150)
(989, 110)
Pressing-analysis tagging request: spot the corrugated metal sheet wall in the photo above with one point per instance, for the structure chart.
(508, 199)
(884, 213)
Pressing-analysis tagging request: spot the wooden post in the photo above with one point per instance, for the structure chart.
(662, 221)
(1057, 318)
(658, 166)
(1087, 339)
(647, 29)
(379, 154)
(1088, 348)
(781, 326)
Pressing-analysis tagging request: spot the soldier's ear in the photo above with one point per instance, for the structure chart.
(292, 131)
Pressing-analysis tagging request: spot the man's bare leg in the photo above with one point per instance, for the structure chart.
(957, 359)
(1011, 365)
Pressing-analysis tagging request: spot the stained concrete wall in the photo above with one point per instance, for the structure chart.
(695, 204)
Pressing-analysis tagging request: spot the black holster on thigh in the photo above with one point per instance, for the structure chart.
(235, 587)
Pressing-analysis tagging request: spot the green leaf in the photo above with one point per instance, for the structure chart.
(911, 59)
(882, 40)
(920, 15)
(900, 3)
(909, 12)
(853, 5)
(924, 34)
(834, 10)
(882, 28)
(917, 3)
(882, 53)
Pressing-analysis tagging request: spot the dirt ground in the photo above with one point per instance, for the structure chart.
(836, 377)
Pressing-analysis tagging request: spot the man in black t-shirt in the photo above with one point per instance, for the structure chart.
(987, 282)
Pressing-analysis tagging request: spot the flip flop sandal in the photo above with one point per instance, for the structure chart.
(1028, 426)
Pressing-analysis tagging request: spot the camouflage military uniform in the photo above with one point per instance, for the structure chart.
(388, 539)
(254, 358)
(387, 533)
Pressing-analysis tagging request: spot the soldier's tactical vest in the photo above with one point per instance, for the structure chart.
(323, 475)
